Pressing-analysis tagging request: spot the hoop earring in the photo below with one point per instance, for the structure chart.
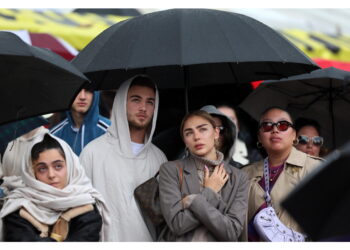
(295, 141)
(259, 144)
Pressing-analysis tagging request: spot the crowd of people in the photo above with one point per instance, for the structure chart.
(76, 181)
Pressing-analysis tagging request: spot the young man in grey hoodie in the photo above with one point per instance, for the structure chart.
(124, 157)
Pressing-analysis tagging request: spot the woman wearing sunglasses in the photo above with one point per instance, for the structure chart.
(308, 134)
(284, 167)
(202, 198)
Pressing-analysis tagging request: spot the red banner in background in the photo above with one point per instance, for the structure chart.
(323, 63)
(48, 41)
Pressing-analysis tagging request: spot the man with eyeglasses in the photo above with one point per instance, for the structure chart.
(309, 139)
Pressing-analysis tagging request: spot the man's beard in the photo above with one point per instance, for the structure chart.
(138, 126)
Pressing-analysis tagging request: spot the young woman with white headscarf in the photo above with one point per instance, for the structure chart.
(58, 202)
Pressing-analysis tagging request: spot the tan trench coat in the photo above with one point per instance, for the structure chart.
(296, 167)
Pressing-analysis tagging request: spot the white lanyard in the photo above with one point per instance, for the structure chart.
(267, 183)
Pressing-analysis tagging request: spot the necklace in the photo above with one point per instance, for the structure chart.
(274, 172)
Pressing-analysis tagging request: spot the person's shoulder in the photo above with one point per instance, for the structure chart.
(253, 165)
(238, 172)
(104, 121)
(300, 158)
(172, 165)
(317, 158)
(253, 168)
(96, 145)
(313, 161)
(158, 151)
(59, 127)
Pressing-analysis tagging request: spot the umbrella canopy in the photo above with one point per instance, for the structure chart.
(321, 202)
(34, 81)
(322, 95)
(190, 47)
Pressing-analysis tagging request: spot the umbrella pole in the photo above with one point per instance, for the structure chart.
(331, 112)
(187, 85)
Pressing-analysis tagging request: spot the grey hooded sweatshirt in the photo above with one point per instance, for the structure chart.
(115, 171)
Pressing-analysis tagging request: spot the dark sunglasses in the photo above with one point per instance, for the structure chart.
(316, 140)
(281, 126)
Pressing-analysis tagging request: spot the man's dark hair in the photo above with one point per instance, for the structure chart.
(47, 143)
(302, 122)
(143, 80)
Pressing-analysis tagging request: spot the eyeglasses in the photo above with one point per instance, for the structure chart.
(281, 126)
(316, 140)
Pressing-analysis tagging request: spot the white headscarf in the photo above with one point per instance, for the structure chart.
(46, 203)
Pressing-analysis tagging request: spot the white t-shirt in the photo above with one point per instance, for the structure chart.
(136, 147)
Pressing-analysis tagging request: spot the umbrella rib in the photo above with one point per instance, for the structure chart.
(232, 49)
(308, 105)
(263, 39)
(224, 35)
(343, 98)
(288, 93)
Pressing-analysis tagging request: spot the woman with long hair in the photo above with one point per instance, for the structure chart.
(284, 168)
(202, 197)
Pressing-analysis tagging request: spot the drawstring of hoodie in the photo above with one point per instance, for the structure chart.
(82, 130)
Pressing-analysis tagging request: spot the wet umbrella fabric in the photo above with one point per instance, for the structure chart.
(321, 202)
(34, 81)
(322, 95)
(182, 48)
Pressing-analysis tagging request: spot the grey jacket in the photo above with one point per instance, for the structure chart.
(222, 216)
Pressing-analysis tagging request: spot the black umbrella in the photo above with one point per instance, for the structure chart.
(34, 81)
(321, 202)
(323, 95)
(190, 47)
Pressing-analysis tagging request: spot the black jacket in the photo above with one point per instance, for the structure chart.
(85, 227)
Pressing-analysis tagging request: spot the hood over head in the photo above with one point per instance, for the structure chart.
(93, 113)
(46, 203)
(228, 124)
(119, 128)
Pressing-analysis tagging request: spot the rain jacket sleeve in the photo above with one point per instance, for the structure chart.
(85, 227)
(15, 228)
(179, 220)
(224, 221)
